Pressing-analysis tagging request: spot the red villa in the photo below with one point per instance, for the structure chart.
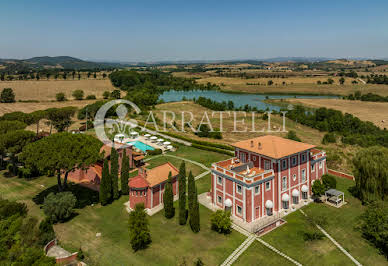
(269, 176)
(148, 187)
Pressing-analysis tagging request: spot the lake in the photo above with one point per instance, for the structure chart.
(238, 99)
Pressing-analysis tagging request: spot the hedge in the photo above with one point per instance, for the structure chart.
(207, 148)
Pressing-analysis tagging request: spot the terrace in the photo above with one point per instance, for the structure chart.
(245, 172)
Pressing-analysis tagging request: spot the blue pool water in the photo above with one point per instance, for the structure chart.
(141, 146)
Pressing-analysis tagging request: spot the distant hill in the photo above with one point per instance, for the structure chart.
(55, 62)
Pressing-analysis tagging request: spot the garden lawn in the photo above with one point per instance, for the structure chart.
(172, 244)
(23, 190)
(258, 254)
(342, 226)
(289, 239)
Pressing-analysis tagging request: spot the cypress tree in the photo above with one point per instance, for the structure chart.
(190, 190)
(114, 172)
(194, 215)
(182, 194)
(139, 232)
(104, 184)
(168, 199)
(124, 174)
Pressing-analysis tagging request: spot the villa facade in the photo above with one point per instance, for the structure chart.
(268, 176)
(148, 186)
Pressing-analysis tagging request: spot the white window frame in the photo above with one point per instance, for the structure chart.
(284, 164)
(284, 187)
(269, 187)
(294, 177)
(294, 161)
(218, 180)
(320, 164)
(241, 210)
(239, 186)
(303, 175)
(267, 165)
(219, 199)
(243, 157)
(285, 205)
(304, 195)
(254, 158)
(303, 157)
(257, 187)
(295, 200)
(313, 167)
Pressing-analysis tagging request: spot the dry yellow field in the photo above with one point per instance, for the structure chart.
(45, 90)
(368, 111)
(293, 85)
(31, 107)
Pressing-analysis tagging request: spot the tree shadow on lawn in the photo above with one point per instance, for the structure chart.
(85, 196)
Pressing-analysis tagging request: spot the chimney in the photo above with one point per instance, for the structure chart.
(251, 143)
(259, 146)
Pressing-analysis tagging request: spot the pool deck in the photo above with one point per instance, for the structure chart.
(143, 139)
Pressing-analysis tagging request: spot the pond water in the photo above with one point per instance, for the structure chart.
(238, 99)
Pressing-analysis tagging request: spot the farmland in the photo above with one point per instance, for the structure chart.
(45, 90)
(375, 112)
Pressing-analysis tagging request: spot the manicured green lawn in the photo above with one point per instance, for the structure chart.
(20, 189)
(258, 254)
(172, 244)
(201, 156)
(342, 226)
(289, 239)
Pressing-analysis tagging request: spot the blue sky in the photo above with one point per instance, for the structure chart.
(193, 30)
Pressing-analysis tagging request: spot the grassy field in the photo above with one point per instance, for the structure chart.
(171, 244)
(342, 225)
(14, 188)
(374, 112)
(45, 90)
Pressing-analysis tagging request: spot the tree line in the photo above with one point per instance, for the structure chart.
(352, 129)
(144, 88)
(369, 97)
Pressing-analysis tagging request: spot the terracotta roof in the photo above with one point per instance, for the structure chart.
(97, 169)
(138, 182)
(159, 174)
(138, 158)
(273, 146)
(107, 149)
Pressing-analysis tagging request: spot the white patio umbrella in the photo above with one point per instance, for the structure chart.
(160, 140)
(153, 138)
(166, 143)
(147, 135)
(170, 147)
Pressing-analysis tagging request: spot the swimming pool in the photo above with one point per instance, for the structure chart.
(141, 146)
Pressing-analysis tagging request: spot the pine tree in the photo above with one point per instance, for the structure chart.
(114, 172)
(182, 194)
(139, 232)
(168, 199)
(124, 174)
(194, 214)
(190, 190)
(104, 187)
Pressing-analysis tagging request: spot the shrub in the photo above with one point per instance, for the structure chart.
(329, 181)
(78, 94)
(292, 135)
(60, 97)
(91, 97)
(374, 225)
(46, 232)
(155, 152)
(24, 173)
(329, 138)
(106, 95)
(7, 96)
(59, 207)
(220, 222)
(312, 235)
(318, 188)
(116, 94)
